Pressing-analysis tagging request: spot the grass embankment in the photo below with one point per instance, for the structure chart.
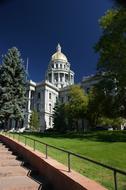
(108, 147)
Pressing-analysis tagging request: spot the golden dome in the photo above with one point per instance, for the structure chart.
(59, 55)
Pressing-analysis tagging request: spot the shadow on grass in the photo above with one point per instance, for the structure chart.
(99, 136)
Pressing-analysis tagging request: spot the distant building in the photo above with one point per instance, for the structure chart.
(89, 81)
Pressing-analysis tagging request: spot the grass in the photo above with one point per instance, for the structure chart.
(108, 147)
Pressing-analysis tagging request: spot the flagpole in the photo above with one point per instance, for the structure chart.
(27, 64)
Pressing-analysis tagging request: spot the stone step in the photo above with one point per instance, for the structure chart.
(11, 162)
(3, 148)
(16, 174)
(8, 171)
(7, 156)
(5, 152)
(18, 183)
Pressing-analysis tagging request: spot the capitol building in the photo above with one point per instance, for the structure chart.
(43, 96)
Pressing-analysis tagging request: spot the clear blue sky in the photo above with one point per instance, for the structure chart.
(35, 27)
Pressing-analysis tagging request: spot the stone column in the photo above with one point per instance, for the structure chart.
(52, 77)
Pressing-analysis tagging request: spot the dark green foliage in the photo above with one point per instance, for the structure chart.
(12, 86)
(112, 61)
(120, 2)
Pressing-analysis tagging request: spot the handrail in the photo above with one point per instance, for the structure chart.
(79, 156)
(115, 170)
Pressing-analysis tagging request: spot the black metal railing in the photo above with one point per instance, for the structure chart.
(69, 154)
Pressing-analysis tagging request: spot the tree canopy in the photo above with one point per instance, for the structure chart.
(112, 54)
(67, 114)
(120, 2)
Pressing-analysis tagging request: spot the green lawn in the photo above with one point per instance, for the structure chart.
(108, 147)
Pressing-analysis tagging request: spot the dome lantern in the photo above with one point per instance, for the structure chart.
(58, 48)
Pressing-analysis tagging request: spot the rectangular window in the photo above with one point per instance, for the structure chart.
(50, 108)
(56, 98)
(39, 94)
(50, 96)
(68, 98)
(38, 108)
(49, 121)
(62, 99)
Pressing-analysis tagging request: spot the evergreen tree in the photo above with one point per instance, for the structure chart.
(59, 117)
(12, 86)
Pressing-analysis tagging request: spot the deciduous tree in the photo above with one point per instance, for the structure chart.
(112, 54)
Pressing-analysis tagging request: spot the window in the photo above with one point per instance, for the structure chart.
(39, 94)
(68, 98)
(50, 108)
(56, 77)
(50, 95)
(50, 77)
(49, 121)
(62, 99)
(38, 108)
(60, 66)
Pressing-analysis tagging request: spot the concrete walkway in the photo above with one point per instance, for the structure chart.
(14, 175)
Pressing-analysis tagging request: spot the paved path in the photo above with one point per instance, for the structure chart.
(14, 175)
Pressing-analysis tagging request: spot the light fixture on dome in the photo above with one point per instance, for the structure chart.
(58, 48)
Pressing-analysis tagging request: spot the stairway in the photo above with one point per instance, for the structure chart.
(14, 175)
